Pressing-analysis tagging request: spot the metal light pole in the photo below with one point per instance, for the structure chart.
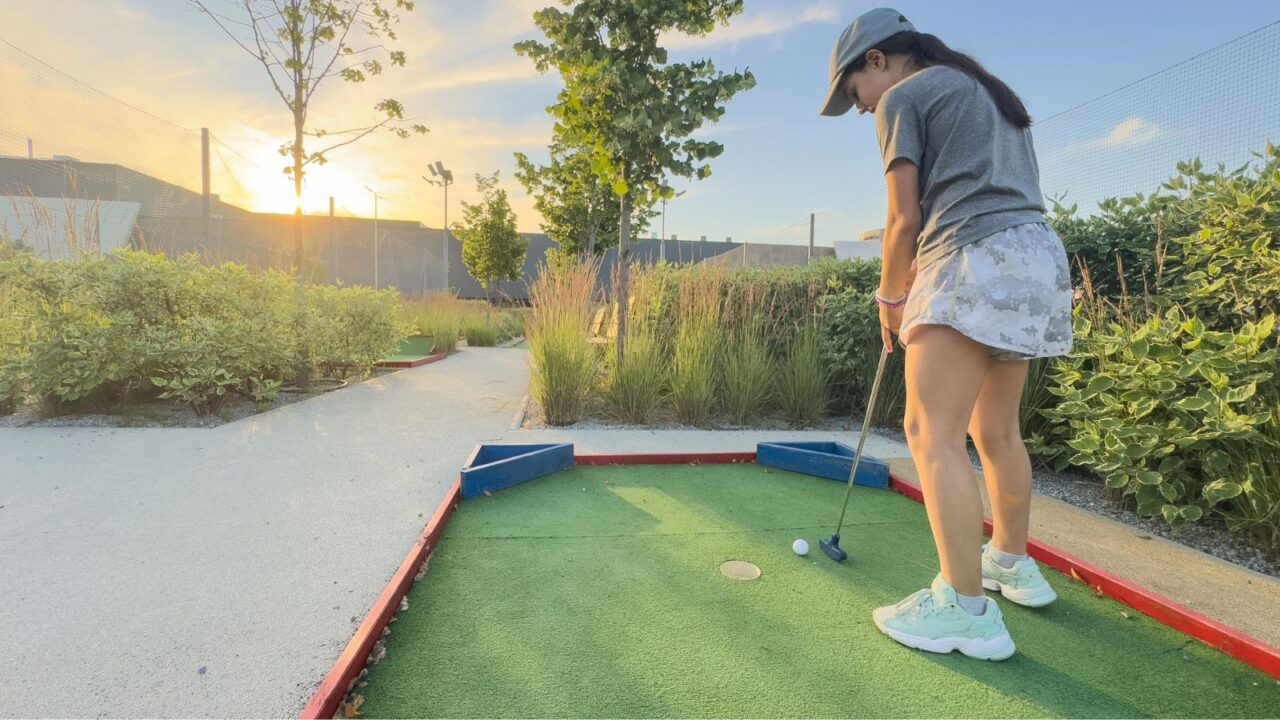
(444, 179)
(662, 243)
(375, 236)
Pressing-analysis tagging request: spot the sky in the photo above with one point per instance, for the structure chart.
(482, 102)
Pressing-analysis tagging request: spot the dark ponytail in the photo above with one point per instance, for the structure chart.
(926, 50)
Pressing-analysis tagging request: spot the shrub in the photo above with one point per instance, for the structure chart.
(635, 386)
(439, 315)
(697, 349)
(1166, 411)
(131, 326)
(351, 329)
(851, 346)
(563, 361)
(748, 374)
(801, 380)
(1224, 257)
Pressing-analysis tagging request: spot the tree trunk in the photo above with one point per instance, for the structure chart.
(591, 242)
(620, 292)
(300, 285)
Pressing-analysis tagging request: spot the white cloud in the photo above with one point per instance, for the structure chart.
(1129, 133)
(518, 70)
(763, 24)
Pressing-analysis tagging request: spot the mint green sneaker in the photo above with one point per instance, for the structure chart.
(931, 620)
(1021, 583)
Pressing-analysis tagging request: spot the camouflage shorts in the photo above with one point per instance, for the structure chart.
(1010, 291)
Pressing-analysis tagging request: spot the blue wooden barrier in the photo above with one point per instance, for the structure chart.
(494, 467)
(830, 460)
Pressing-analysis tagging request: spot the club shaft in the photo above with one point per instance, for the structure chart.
(862, 439)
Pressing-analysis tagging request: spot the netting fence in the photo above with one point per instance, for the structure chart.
(83, 171)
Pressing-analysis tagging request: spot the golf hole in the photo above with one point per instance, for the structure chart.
(740, 570)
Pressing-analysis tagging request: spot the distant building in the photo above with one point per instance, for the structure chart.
(869, 245)
(55, 205)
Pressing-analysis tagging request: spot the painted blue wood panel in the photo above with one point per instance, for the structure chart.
(494, 467)
(829, 460)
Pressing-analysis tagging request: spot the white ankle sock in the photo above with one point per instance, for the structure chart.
(972, 605)
(1004, 559)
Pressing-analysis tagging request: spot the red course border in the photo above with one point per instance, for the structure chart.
(327, 699)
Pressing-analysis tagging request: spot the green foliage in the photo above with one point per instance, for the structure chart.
(851, 346)
(636, 385)
(1224, 262)
(564, 363)
(302, 44)
(103, 332)
(697, 350)
(1037, 397)
(1166, 410)
(622, 101)
(1117, 246)
(626, 106)
(801, 379)
(578, 211)
(481, 334)
(492, 249)
(747, 377)
(444, 317)
(351, 329)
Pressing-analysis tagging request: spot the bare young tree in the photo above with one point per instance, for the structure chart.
(303, 43)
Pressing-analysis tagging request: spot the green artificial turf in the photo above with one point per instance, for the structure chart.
(596, 592)
(413, 348)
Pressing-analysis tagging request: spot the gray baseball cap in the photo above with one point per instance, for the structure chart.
(862, 34)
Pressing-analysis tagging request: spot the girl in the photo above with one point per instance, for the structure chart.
(993, 291)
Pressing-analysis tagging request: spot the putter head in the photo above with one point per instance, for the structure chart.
(831, 546)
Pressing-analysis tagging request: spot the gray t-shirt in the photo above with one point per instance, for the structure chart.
(978, 173)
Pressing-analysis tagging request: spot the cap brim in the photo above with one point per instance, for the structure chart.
(837, 103)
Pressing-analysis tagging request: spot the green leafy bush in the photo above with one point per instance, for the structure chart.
(851, 345)
(1224, 259)
(102, 332)
(351, 329)
(1166, 411)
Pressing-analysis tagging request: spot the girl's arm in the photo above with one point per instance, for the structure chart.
(901, 229)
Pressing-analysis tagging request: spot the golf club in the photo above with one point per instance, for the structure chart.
(831, 545)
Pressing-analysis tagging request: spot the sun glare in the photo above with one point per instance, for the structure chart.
(255, 180)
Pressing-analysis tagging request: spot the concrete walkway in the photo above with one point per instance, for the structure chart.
(220, 572)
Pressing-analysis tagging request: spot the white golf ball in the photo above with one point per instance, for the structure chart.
(800, 546)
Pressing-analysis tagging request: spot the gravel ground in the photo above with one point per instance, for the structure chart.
(163, 413)
(1082, 490)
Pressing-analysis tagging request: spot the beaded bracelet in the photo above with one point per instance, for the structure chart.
(891, 303)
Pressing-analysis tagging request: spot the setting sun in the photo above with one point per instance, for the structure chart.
(255, 179)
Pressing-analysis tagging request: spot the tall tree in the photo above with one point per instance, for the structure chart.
(301, 44)
(492, 249)
(626, 105)
(579, 210)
